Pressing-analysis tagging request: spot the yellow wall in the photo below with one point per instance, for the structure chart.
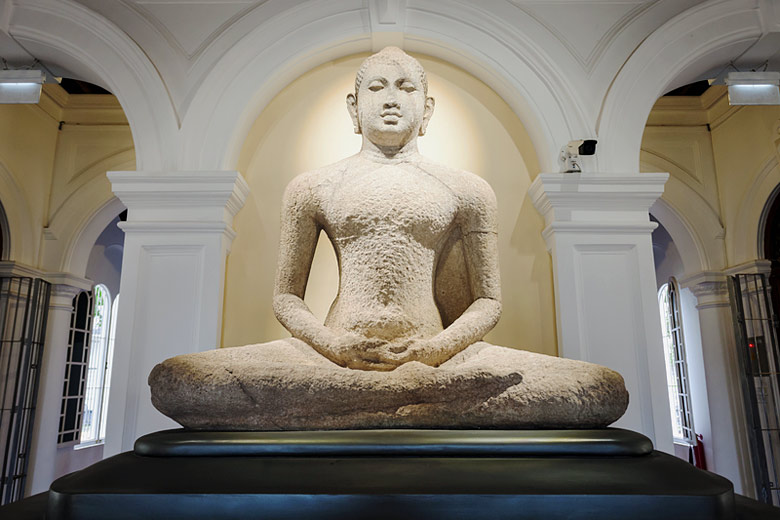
(307, 126)
(724, 154)
(59, 169)
(28, 139)
(745, 146)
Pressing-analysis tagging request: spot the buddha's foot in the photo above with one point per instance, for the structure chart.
(286, 385)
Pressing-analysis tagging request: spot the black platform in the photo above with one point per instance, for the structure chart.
(384, 474)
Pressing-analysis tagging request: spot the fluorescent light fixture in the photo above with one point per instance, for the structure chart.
(754, 88)
(20, 86)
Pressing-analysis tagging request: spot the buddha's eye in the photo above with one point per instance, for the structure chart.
(407, 86)
(375, 86)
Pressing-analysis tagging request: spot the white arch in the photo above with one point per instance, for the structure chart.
(78, 222)
(77, 252)
(21, 229)
(683, 236)
(692, 42)
(749, 224)
(692, 223)
(276, 52)
(77, 39)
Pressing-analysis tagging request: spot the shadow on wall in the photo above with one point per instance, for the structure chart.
(668, 261)
(105, 260)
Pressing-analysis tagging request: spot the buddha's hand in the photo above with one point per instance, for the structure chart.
(415, 349)
(359, 352)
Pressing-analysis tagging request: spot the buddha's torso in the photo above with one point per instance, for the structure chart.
(387, 223)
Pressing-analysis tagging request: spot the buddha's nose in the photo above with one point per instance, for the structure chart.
(391, 103)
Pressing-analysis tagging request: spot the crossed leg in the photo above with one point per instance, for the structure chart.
(286, 385)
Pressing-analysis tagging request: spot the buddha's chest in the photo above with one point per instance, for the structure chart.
(390, 200)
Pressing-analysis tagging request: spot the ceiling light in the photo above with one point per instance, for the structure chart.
(20, 86)
(754, 88)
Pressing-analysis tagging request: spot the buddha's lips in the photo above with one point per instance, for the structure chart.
(394, 114)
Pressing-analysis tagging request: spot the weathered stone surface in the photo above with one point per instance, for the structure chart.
(419, 288)
(285, 385)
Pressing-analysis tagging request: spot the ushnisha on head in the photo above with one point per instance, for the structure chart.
(390, 106)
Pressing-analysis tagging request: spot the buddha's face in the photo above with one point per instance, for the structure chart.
(391, 108)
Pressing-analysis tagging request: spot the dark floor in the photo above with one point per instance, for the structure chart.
(34, 508)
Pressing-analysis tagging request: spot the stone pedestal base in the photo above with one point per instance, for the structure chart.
(384, 474)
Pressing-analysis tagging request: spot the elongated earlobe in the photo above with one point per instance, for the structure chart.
(352, 108)
(429, 105)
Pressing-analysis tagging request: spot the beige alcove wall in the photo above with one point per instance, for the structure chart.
(307, 126)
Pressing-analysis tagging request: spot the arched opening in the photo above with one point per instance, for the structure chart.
(5, 235)
(685, 376)
(307, 126)
(769, 238)
(88, 370)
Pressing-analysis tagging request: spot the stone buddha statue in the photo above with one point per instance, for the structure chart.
(419, 287)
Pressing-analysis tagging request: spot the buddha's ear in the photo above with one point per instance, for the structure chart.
(353, 113)
(427, 113)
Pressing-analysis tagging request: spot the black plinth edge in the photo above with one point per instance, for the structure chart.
(378, 443)
(648, 487)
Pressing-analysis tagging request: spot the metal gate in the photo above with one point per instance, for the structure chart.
(756, 329)
(24, 306)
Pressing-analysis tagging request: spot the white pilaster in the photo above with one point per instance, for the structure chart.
(64, 286)
(177, 237)
(599, 235)
(728, 454)
(47, 412)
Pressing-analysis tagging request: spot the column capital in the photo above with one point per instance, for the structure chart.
(61, 283)
(709, 287)
(597, 200)
(760, 266)
(64, 286)
(180, 196)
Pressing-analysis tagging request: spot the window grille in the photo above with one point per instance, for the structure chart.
(24, 307)
(758, 354)
(678, 386)
(76, 369)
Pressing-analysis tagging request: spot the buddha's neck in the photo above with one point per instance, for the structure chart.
(389, 154)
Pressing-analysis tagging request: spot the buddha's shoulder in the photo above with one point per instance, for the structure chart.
(311, 181)
(465, 184)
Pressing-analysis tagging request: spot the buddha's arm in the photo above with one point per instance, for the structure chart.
(299, 232)
(481, 252)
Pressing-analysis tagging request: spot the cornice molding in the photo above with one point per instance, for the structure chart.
(589, 198)
(709, 287)
(760, 266)
(194, 189)
(598, 228)
(60, 281)
(178, 227)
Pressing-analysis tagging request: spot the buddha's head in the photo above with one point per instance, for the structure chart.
(390, 106)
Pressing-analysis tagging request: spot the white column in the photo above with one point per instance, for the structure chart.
(43, 447)
(177, 237)
(599, 235)
(729, 454)
(43, 451)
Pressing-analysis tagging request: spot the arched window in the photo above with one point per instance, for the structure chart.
(75, 369)
(676, 363)
(98, 370)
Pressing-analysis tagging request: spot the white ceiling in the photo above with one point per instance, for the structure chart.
(185, 38)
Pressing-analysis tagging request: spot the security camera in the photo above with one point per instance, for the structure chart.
(582, 147)
(570, 154)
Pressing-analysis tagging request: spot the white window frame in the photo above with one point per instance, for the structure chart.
(92, 430)
(676, 363)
